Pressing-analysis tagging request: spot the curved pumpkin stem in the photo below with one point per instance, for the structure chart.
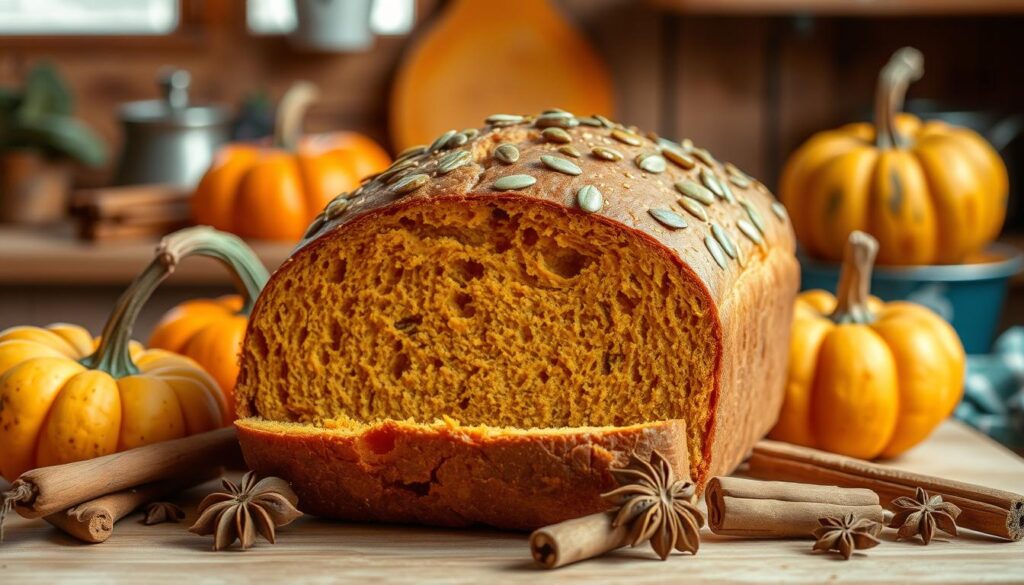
(290, 112)
(904, 67)
(112, 355)
(855, 280)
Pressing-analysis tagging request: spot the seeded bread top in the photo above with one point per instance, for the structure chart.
(712, 214)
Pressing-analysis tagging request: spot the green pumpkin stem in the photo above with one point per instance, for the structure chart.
(904, 67)
(290, 112)
(112, 355)
(855, 280)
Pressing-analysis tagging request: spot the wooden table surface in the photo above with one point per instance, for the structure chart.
(312, 550)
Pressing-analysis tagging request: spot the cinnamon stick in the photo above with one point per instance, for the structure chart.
(987, 510)
(577, 539)
(93, 521)
(41, 492)
(775, 509)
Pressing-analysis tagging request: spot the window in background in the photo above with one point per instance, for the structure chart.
(275, 17)
(88, 17)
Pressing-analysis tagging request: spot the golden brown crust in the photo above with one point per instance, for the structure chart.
(444, 474)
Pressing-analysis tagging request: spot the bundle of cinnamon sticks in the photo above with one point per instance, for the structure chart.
(86, 498)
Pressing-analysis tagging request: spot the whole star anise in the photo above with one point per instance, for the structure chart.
(160, 512)
(655, 506)
(922, 514)
(846, 534)
(241, 511)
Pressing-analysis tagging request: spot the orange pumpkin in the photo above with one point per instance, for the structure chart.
(931, 193)
(866, 378)
(210, 331)
(274, 192)
(65, 397)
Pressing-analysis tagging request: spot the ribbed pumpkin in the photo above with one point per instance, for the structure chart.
(273, 192)
(65, 397)
(867, 379)
(210, 331)
(931, 193)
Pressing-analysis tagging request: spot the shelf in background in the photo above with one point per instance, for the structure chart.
(56, 257)
(841, 7)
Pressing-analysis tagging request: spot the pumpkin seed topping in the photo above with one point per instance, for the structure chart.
(755, 216)
(318, 222)
(513, 182)
(695, 208)
(471, 133)
(678, 158)
(704, 156)
(750, 231)
(336, 207)
(590, 121)
(716, 250)
(557, 163)
(726, 190)
(393, 177)
(453, 160)
(668, 218)
(652, 163)
(779, 210)
(457, 140)
(589, 198)
(741, 257)
(395, 171)
(441, 141)
(410, 183)
(710, 180)
(687, 145)
(604, 121)
(558, 119)
(740, 182)
(556, 135)
(555, 111)
(605, 153)
(568, 150)
(506, 153)
(723, 238)
(696, 191)
(411, 152)
(500, 120)
(626, 137)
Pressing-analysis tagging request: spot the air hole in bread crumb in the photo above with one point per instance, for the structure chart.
(464, 403)
(400, 365)
(259, 343)
(336, 333)
(464, 304)
(409, 324)
(544, 376)
(340, 270)
(625, 303)
(470, 269)
(530, 236)
(380, 441)
(499, 215)
(565, 262)
(303, 335)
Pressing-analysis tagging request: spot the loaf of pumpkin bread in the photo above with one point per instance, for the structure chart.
(544, 272)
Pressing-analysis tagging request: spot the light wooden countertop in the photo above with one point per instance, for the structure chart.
(54, 257)
(313, 550)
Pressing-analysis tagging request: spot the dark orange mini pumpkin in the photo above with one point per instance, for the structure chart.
(931, 193)
(274, 192)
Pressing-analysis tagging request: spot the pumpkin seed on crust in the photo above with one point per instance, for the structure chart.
(568, 150)
(589, 198)
(626, 137)
(556, 135)
(716, 251)
(710, 180)
(704, 156)
(453, 160)
(652, 163)
(441, 142)
(605, 153)
(694, 207)
(514, 182)
(755, 216)
(410, 183)
(679, 158)
(561, 165)
(779, 210)
(668, 218)
(506, 153)
(693, 189)
(750, 231)
(723, 238)
(500, 120)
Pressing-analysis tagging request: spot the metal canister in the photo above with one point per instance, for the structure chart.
(168, 140)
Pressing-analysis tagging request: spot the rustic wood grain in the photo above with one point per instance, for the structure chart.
(316, 550)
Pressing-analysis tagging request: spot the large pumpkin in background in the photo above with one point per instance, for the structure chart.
(931, 193)
(274, 192)
(866, 378)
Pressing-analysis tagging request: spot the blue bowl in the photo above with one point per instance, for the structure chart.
(970, 296)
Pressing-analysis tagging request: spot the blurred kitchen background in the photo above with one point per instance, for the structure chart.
(748, 79)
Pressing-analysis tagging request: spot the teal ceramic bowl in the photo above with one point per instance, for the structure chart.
(970, 296)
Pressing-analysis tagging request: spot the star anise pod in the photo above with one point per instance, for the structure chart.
(160, 512)
(655, 506)
(846, 534)
(922, 514)
(241, 511)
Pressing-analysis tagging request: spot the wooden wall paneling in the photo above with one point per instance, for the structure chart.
(719, 88)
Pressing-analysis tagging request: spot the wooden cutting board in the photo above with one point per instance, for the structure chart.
(483, 57)
(318, 550)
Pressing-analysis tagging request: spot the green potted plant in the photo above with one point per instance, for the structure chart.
(39, 139)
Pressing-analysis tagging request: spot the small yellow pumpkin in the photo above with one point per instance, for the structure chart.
(65, 397)
(867, 379)
(931, 193)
